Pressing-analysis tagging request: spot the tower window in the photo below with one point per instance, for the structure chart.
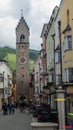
(22, 37)
(21, 82)
(22, 75)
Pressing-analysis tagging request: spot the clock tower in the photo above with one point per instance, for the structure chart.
(22, 59)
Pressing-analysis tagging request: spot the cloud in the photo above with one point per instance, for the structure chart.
(36, 13)
(40, 13)
(18, 5)
(7, 33)
(5, 5)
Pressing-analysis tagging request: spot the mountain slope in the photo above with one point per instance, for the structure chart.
(9, 54)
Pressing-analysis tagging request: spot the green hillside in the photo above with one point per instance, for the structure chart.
(11, 58)
(9, 54)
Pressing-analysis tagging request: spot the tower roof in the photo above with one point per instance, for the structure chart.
(22, 21)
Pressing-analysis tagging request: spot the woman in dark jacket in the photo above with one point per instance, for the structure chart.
(4, 108)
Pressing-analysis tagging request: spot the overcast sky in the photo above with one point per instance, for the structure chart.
(36, 13)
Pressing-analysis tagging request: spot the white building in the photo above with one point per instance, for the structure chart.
(5, 81)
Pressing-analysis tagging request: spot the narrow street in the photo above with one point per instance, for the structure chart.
(18, 121)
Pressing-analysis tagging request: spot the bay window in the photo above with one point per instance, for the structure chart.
(67, 43)
(68, 75)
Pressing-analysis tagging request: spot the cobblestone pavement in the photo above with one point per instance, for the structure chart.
(18, 121)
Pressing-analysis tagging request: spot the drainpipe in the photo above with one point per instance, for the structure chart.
(59, 28)
(53, 37)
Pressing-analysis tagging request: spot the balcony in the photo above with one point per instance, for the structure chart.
(70, 83)
(68, 76)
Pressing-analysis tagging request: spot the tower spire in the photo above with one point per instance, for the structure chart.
(21, 13)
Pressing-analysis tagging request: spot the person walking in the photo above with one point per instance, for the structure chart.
(4, 108)
(13, 109)
(10, 106)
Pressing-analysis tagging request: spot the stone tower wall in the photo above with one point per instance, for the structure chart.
(22, 60)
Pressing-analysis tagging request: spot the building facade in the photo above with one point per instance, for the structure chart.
(44, 91)
(50, 55)
(5, 82)
(57, 50)
(67, 50)
(37, 83)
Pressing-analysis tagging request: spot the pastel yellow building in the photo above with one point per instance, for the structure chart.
(14, 93)
(67, 48)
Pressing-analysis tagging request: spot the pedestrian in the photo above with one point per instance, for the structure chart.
(10, 106)
(13, 110)
(4, 108)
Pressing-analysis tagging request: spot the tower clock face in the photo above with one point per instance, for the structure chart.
(22, 56)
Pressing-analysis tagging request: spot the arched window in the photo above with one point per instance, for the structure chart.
(22, 37)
